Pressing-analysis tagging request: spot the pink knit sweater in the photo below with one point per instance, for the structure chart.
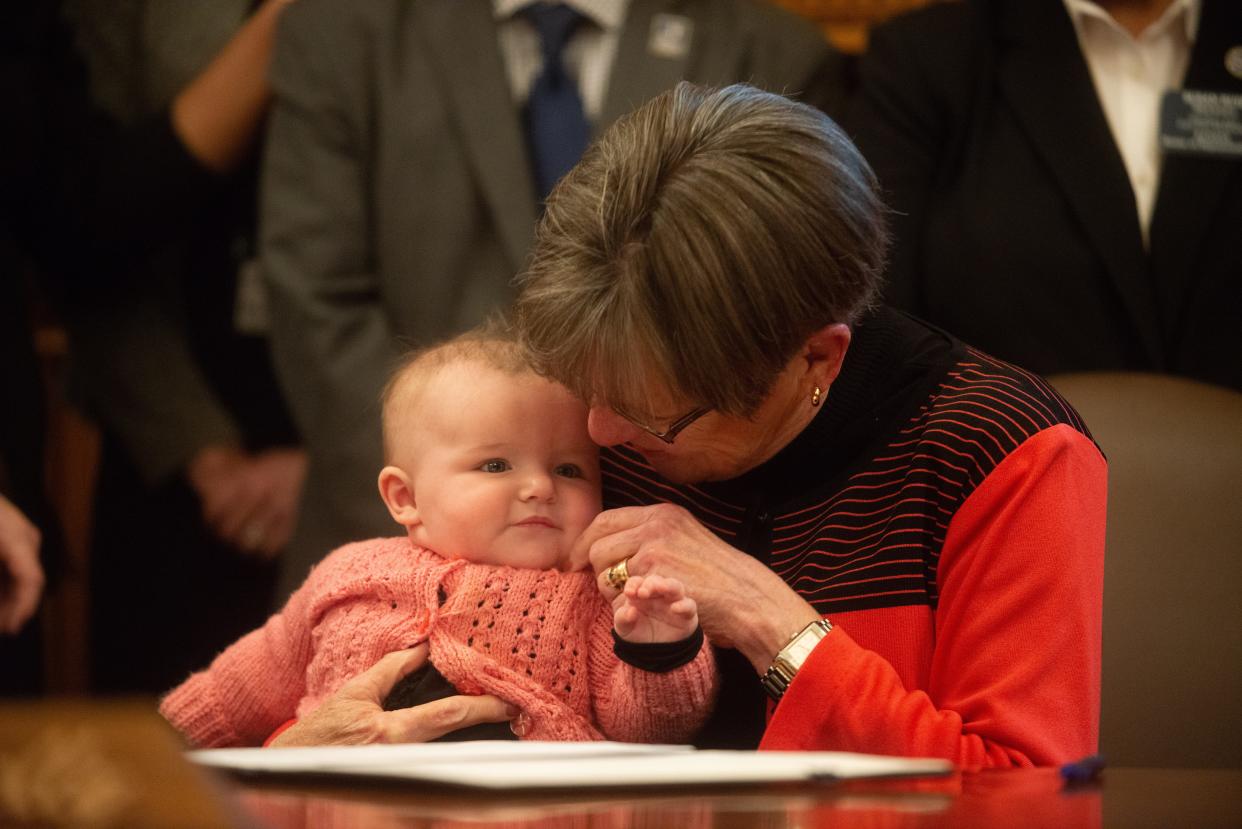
(540, 639)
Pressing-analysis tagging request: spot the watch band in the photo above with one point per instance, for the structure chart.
(790, 658)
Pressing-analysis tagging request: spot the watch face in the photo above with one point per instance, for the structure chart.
(796, 652)
(786, 664)
(801, 648)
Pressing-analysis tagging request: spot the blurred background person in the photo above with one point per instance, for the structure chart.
(1037, 213)
(50, 188)
(24, 505)
(21, 573)
(410, 147)
(200, 471)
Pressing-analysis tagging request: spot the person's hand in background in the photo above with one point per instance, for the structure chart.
(21, 575)
(249, 500)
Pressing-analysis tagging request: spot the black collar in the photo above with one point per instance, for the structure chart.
(893, 363)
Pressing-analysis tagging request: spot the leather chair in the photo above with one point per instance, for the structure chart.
(1172, 662)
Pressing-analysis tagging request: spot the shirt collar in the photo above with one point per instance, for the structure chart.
(891, 368)
(1187, 10)
(607, 14)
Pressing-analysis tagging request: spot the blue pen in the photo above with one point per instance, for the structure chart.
(1086, 770)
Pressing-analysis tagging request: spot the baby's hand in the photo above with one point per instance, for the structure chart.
(654, 609)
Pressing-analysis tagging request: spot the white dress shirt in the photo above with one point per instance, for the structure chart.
(588, 56)
(1131, 74)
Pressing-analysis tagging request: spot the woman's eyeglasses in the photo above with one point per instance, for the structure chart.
(669, 434)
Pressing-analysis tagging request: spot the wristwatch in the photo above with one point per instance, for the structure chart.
(790, 658)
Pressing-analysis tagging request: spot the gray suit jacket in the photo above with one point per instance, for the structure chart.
(398, 201)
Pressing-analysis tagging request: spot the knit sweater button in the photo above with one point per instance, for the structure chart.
(422, 621)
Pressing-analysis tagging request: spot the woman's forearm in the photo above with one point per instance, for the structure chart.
(764, 628)
(218, 114)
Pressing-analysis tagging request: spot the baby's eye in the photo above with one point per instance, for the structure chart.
(568, 470)
(495, 465)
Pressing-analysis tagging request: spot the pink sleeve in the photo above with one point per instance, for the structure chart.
(1015, 671)
(251, 688)
(636, 706)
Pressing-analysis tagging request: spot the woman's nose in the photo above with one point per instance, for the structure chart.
(607, 428)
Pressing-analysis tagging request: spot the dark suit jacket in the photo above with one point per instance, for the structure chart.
(158, 360)
(1016, 226)
(398, 202)
(160, 363)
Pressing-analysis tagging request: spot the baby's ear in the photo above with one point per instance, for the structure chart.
(397, 490)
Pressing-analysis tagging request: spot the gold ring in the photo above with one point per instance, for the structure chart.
(618, 574)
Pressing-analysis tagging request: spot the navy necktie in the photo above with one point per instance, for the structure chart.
(555, 123)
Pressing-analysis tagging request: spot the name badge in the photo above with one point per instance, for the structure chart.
(670, 36)
(1201, 122)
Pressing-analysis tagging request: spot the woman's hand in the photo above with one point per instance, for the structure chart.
(354, 714)
(741, 603)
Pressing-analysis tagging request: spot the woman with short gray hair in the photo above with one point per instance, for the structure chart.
(896, 536)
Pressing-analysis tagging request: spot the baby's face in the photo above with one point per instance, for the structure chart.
(502, 467)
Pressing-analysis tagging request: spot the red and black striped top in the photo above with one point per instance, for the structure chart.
(869, 535)
(855, 512)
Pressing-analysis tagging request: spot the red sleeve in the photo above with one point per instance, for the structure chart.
(280, 729)
(1015, 669)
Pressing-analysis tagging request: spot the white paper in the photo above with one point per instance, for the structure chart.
(536, 765)
(404, 755)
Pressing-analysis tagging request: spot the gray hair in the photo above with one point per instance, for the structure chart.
(697, 244)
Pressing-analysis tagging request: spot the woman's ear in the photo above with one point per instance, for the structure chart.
(397, 490)
(824, 353)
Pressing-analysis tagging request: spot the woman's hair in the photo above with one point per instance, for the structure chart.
(492, 344)
(697, 245)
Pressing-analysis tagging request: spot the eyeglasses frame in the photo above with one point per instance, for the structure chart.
(674, 429)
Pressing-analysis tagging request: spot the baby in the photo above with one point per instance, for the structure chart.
(493, 476)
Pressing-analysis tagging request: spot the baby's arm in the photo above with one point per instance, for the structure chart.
(654, 608)
(255, 685)
(653, 677)
(246, 692)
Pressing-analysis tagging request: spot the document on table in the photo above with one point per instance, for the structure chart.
(504, 765)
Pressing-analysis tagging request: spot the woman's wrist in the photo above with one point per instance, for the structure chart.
(770, 626)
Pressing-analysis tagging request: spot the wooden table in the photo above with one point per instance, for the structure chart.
(1018, 798)
(108, 765)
